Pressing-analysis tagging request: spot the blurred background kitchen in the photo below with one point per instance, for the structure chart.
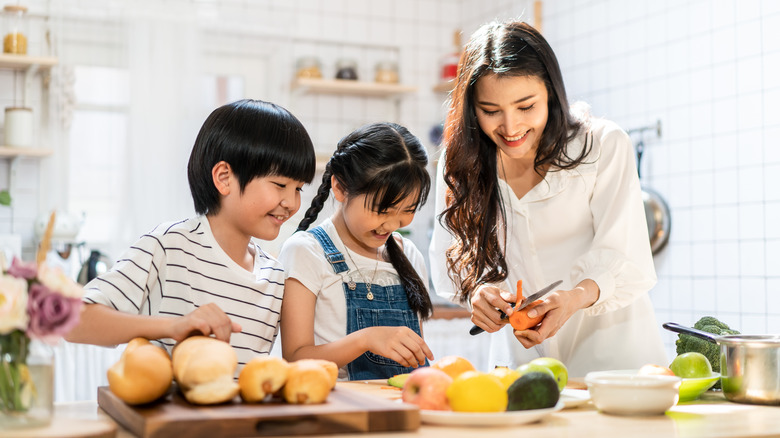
(113, 93)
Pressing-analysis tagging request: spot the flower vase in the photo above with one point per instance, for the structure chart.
(26, 382)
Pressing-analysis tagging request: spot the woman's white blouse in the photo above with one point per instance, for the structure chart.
(586, 222)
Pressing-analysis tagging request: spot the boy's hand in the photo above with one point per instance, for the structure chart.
(400, 344)
(205, 320)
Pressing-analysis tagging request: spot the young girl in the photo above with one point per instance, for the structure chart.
(204, 274)
(355, 291)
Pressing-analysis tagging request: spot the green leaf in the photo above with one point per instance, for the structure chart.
(5, 197)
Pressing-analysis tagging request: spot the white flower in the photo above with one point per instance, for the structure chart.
(13, 304)
(56, 280)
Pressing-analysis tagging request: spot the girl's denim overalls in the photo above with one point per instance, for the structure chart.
(389, 306)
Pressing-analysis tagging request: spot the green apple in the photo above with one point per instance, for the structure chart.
(534, 368)
(691, 365)
(559, 370)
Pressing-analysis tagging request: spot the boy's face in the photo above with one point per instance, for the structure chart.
(266, 203)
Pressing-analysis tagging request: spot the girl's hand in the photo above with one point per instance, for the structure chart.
(400, 344)
(205, 320)
(486, 302)
(557, 308)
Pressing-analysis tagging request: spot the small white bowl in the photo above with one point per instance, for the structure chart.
(624, 392)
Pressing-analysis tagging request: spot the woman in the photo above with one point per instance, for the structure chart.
(529, 190)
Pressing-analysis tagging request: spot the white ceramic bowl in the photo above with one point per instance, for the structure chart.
(624, 392)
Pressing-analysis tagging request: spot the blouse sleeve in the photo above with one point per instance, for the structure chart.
(620, 260)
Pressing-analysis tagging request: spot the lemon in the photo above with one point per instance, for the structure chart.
(476, 391)
(506, 375)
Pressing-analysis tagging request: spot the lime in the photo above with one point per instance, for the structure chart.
(534, 368)
(691, 365)
(398, 380)
(557, 367)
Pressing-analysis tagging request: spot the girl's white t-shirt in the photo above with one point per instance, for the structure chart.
(303, 259)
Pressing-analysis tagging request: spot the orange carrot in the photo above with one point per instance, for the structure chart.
(519, 318)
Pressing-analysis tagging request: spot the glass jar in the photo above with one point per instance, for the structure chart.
(27, 376)
(386, 72)
(308, 67)
(346, 69)
(15, 29)
(18, 127)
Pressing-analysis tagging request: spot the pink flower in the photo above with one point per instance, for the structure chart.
(20, 269)
(51, 315)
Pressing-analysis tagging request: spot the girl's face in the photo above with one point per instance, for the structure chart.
(364, 230)
(266, 203)
(512, 111)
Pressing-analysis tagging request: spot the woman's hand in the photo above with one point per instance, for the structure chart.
(205, 320)
(557, 308)
(486, 302)
(400, 344)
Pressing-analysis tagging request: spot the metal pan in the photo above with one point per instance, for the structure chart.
(749, 365)
(659, 221)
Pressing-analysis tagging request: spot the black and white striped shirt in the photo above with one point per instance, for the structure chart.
(178, 267)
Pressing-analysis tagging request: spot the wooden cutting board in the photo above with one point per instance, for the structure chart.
(345, 411)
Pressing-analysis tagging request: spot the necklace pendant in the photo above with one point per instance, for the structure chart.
(351, 284)
(370, 296)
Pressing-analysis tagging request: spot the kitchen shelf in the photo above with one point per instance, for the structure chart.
(25, 62)
(11, 152)
(349, 87)
(445, 87)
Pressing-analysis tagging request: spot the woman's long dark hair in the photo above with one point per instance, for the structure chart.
(388, 164)
(475, 209)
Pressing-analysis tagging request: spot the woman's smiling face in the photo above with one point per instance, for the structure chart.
(512, 111)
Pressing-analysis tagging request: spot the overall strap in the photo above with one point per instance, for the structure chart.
(335, 258)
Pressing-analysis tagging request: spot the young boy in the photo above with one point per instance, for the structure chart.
(204, 275)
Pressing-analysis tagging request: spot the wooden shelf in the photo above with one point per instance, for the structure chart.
(9, 151)
(24, 62)
(450, 312)
(348, 87)
(445, 87)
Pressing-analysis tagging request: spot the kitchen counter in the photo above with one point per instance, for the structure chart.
(711, 416)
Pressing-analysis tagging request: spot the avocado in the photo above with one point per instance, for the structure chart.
(398, 380)
(533, 391)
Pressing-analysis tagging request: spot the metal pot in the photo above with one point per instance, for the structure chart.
(749, 365)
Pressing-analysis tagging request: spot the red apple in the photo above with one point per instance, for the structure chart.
(427, 388)
(652, 369)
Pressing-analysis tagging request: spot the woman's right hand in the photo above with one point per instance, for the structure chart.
(400, 344)
(486, 302)
(205, 320)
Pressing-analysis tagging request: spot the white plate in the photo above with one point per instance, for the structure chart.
(574, 397)
(449, 418)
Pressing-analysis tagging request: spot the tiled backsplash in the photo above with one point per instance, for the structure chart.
(708, 70)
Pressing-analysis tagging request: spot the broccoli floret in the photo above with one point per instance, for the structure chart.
(710, 320)
(688, 343)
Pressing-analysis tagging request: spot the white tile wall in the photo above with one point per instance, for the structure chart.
(712, 76)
